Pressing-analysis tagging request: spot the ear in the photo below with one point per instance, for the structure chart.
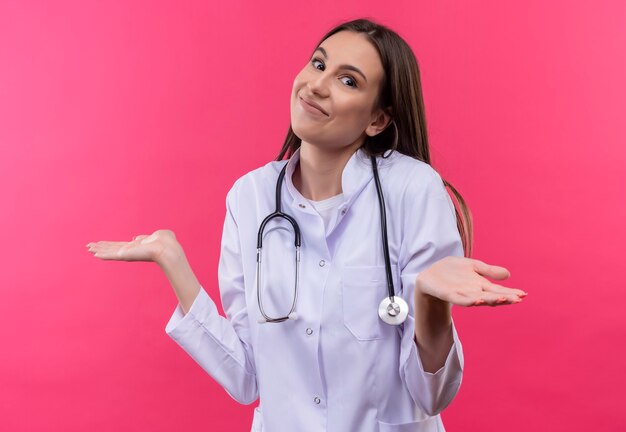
(381, 119)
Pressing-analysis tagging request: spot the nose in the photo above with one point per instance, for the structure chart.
(318, 84)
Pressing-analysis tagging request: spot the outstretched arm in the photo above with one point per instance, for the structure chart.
(453, 280)
(435, 275)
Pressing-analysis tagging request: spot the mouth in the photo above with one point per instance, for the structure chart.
(306, 103)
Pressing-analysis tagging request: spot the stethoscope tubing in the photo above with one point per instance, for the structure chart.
(297, 241)
(383, 227)
(391, 310)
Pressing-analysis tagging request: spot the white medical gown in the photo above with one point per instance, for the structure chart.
(338, 367)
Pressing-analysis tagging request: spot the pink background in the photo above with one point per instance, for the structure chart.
(120, 118)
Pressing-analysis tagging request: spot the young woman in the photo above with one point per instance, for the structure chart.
(338, 311)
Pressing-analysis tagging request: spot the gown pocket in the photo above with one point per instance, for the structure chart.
(432, 424)
(363, 288)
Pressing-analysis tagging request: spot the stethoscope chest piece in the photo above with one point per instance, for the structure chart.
(393, 312)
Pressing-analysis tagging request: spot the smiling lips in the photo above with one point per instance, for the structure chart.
(308, 103)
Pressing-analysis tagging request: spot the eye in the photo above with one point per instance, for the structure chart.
(315, 60)
(351, 78)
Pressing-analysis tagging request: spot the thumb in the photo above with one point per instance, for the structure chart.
(140, 237)
(491, 271)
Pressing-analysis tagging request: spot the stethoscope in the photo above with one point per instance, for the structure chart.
(392, 310)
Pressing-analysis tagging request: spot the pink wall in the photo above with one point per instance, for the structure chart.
(119, 118)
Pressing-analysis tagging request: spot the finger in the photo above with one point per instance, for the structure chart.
(491, 271)
(461, 300)
(499, 289)
(104, 248)
(107, 247)
(107, 255)
(140, 237)
(103, 243)
(494, 299)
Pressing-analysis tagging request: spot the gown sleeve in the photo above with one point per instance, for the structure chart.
(221, 346)
(430, 234)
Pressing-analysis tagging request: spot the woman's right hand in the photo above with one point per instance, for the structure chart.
(141, 248)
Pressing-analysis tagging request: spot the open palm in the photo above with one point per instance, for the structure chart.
(141, 248)
(463, 281)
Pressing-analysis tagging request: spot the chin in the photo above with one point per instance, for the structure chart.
(301, 129)
(307, 132)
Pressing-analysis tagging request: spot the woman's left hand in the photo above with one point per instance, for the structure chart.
(461, 281)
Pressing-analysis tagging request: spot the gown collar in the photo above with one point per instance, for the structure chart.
(355, 176)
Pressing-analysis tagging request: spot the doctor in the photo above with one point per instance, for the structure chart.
(335, 364)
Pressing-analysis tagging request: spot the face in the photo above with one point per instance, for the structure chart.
(343, 77)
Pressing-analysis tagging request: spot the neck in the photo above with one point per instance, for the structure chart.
(319, 171)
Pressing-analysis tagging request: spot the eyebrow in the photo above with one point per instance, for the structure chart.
(343, 66)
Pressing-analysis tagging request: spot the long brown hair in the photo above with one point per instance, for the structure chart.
(401, 90)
